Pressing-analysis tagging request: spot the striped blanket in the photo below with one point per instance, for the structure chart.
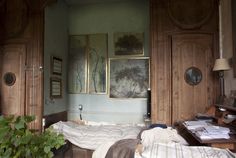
(176, 150)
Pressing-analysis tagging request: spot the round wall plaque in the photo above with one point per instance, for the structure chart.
(9, 78)
(193, 76)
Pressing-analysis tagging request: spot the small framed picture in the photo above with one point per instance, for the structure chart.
(55, 88)
(129, 44)
(56, 66)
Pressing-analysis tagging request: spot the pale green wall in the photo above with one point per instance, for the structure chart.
(56, 44)
(129, 16)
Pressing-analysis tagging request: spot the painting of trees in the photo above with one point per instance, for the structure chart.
(77, 65)
(87, 64)
(128, 43)
(129, 78)
(97, 63)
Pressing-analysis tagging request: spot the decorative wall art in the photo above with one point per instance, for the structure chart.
(97, 63)
(55, 88)
(130, 44)
(88, 64)
(77, 65)
(129, 78)
(56, 65)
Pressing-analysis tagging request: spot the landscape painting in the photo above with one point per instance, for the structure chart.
(129, 44)
(129, 78)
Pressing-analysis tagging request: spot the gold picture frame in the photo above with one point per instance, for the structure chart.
(87, 72)
(128, 44)
(97, 63)
(129, 77)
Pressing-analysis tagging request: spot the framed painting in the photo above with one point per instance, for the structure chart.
(129, 77)
(56, 65)
(129, 44)
(55, 88)
(77, 64)
(97, 63)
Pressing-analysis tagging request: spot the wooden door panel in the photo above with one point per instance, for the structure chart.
(190, 50)
(13, 96)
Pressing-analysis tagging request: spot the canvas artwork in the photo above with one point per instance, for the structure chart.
(130, 44)
(97, 63)
(129, 78)
(77, 65)
(88, 64)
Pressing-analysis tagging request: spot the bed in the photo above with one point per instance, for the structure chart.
(87, 136)
(160, 143)
(91, 135)
(102, 140)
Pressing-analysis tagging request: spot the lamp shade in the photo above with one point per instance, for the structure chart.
(221, 64)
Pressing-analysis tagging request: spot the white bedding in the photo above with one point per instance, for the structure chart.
(176, 150)
(148, 137)
(92, 136)
(161, 135)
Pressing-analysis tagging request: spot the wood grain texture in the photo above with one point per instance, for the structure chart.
(15, 18)
(190, 14)
(191, 50)
(32, 37)
(162, 32)
(12, 97)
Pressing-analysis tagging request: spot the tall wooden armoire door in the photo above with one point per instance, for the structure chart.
(12, 71)
(191, 50)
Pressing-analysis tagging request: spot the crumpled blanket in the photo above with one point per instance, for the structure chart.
(123, 149)
(91, 137)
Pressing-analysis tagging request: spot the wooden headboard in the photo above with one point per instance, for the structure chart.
(53, 118)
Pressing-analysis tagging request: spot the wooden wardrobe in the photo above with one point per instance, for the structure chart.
(184, 34)
(21, 58)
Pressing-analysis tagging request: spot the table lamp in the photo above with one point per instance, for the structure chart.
(221, 65)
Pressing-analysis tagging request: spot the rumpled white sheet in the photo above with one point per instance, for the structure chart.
(90, 137)
(177, 150)
(149, 137)
(161, 135)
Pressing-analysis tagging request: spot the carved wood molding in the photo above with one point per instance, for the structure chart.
(190, 14)
(14, 18)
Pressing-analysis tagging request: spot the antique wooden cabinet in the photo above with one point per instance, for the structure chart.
(21, 58)
(184, 34)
